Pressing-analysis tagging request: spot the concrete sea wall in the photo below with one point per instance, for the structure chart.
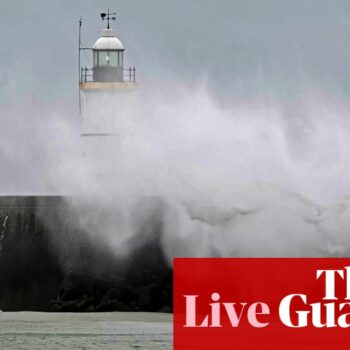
(47, 263)
(29, 276)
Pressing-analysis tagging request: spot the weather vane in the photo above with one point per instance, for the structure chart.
(109, 17)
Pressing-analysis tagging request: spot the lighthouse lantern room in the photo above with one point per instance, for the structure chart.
(108, 59)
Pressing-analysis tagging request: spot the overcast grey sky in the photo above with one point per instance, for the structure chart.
(244, 48)
(231, 41)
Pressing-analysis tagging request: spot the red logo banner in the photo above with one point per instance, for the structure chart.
(261, 303)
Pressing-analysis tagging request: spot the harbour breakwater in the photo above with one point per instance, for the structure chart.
(48, 263)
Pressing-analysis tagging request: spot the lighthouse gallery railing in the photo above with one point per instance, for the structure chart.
(129, 75)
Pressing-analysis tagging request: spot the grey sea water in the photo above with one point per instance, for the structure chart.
(37, 330)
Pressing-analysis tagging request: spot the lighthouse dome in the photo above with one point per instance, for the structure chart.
(108, 41)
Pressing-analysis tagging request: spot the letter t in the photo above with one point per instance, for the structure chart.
(330, 282)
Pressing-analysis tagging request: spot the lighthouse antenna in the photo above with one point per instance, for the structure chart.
(79, 64)
(108, 16)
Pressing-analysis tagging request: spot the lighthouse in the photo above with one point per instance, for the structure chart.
(106, 98)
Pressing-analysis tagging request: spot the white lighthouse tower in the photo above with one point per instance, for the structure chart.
(106, 97)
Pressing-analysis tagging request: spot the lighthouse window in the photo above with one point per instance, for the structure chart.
(113, 58)
(108, 58)
(103, 58)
